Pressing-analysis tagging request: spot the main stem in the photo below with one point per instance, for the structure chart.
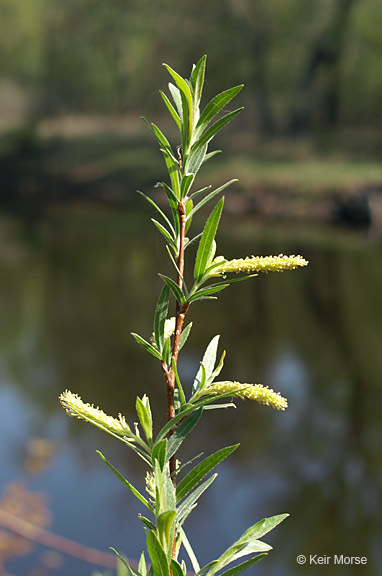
(181, 312)
(168, 371)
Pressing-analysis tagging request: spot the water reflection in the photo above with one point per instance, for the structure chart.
(71, 291)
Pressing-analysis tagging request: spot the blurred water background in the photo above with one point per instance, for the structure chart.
(79, 261)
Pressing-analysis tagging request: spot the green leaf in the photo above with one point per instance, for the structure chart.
(186, 410)
(214, 129)
(261, 528)
(159, 452)
(130, 570)
(188, 504)
(173, 201)
(215, 106)
(184, 335)
(180, 433)
(165, 492)
(162, 140)
(134, 491)
(166, 355)
(165, 233)
(210, 196)
(201, 470)
(157, 555)
(147, 346)
(160, 317)
(175, 93)
(145, 419)
(173, 171)
(188, 208)
(201, 191)
(142, 565)
(160, 212)
(248, 543)
(243, 566)
(182, 397)
(186, 96)
(195, 158)
(197, 79)
(188, 242)
(165, 522)
(206, 292)
(206, 240)
(186, 183)
(217, 370)
(180, 297)
(172, 110)
(146, 522)
(209, 360)
(211, 155)
(176, 568)
(189, 550)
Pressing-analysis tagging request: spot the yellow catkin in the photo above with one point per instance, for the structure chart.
(253, 264)
(258, 392)
(74, 406)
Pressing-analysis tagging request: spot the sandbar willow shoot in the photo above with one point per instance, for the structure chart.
(199, 274)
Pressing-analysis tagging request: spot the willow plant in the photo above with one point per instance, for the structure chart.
(172, 492)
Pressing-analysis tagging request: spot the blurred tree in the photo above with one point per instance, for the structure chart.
(325, 55)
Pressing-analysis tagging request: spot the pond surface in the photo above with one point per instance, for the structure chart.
(76, 284)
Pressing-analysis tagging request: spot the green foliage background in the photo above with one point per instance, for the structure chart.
(96, 56)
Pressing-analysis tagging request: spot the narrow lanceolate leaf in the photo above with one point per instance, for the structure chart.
(215, 106)
(211, 155)
(147, 346)
(186, 96)
(172, 110)
(146, 522)
(189, 502)
(201, 470)
(201, 191)
(261, 528)
(180, 433)
(173, 201)
(134, 491)
(130, 570)
(206, 241)
(142, 568)
(175, 93)
(208, 362)
(189, 550)
(157, 555)
(195, 158)
(186, 183)
(160, 317)
(206, 292)
(159, 452)
(180, 297)
(173, 171)
(176, 568)
(197, 79)
(243, 566)
(214, 129)
(165, 233)
(182, 397)
(210, 196)
(165, 522)
(170, 226)
(248, 543)
(145, 418)
(184, 335)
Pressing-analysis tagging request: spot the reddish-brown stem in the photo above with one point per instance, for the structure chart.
(180, 315)
(168, 371)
